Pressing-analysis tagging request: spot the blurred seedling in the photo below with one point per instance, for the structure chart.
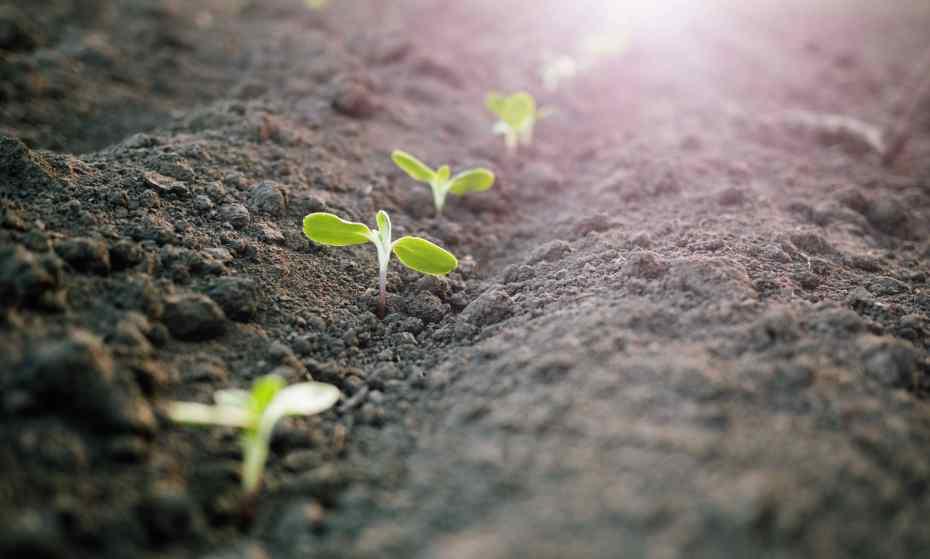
(257, 412)
(517, 117)
(604, 45)
(592, 49)
(413, 252)
(556, 69)
(316, 4)
(440, 181)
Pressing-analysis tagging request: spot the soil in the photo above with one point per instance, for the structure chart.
(692, 320)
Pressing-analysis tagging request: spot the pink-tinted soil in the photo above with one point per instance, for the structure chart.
(692, 320)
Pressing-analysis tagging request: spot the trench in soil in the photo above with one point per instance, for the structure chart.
(664, 348)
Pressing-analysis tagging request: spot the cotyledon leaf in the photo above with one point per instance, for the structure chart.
(384, 227)
(193, 413)
(442, 175)
(518, 108)
(473, 180)
(495, 102)
(232, 397)
(306, 398)
(384, 221)
(424, 257)
(417, 170)
(264, 390)
(328, 229)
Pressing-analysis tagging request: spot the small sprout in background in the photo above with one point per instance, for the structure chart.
(413, 252)
(591, 50)
(472, 180)
(597, 46)
(256, 413)
(517, 117)
(557, 69)
(316, 4)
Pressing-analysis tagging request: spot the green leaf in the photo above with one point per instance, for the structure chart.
(473, 180)
(306, 398)
(384, 227)
(519, 109)
(417, 170)
(495, 102)
(193, 413)
(384, 221)
(234, 398)
(264, 391)
(424, 257)
(442, 175)
(328, 229)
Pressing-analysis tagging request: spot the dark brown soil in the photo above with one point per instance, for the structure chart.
(693, 320)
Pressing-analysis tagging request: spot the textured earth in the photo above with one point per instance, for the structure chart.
(692, 320)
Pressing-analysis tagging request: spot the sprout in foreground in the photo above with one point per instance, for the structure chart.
(413, 252)
(472, 180)
(256, 413)
(517, 117)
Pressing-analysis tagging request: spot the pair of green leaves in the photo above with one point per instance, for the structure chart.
(415, 253)
(257, 412)
(517, 117)
(440, 181)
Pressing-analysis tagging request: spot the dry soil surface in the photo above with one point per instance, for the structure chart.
(692, 320)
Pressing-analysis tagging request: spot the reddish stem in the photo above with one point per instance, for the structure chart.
(248, 509)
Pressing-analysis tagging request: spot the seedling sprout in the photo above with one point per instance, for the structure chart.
(413, 252)
(591, 50)
(556, 69)
(257, 412)
(517, 117)
(316, 4)
(472, 180)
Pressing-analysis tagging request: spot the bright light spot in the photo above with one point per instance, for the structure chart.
(662, 17)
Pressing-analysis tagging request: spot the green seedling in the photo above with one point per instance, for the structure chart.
(316, 4)
(413, 252)
(257, 412)
(517, 117)
(472, 180)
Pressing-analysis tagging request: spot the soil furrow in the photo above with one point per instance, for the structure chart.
(691, 320)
